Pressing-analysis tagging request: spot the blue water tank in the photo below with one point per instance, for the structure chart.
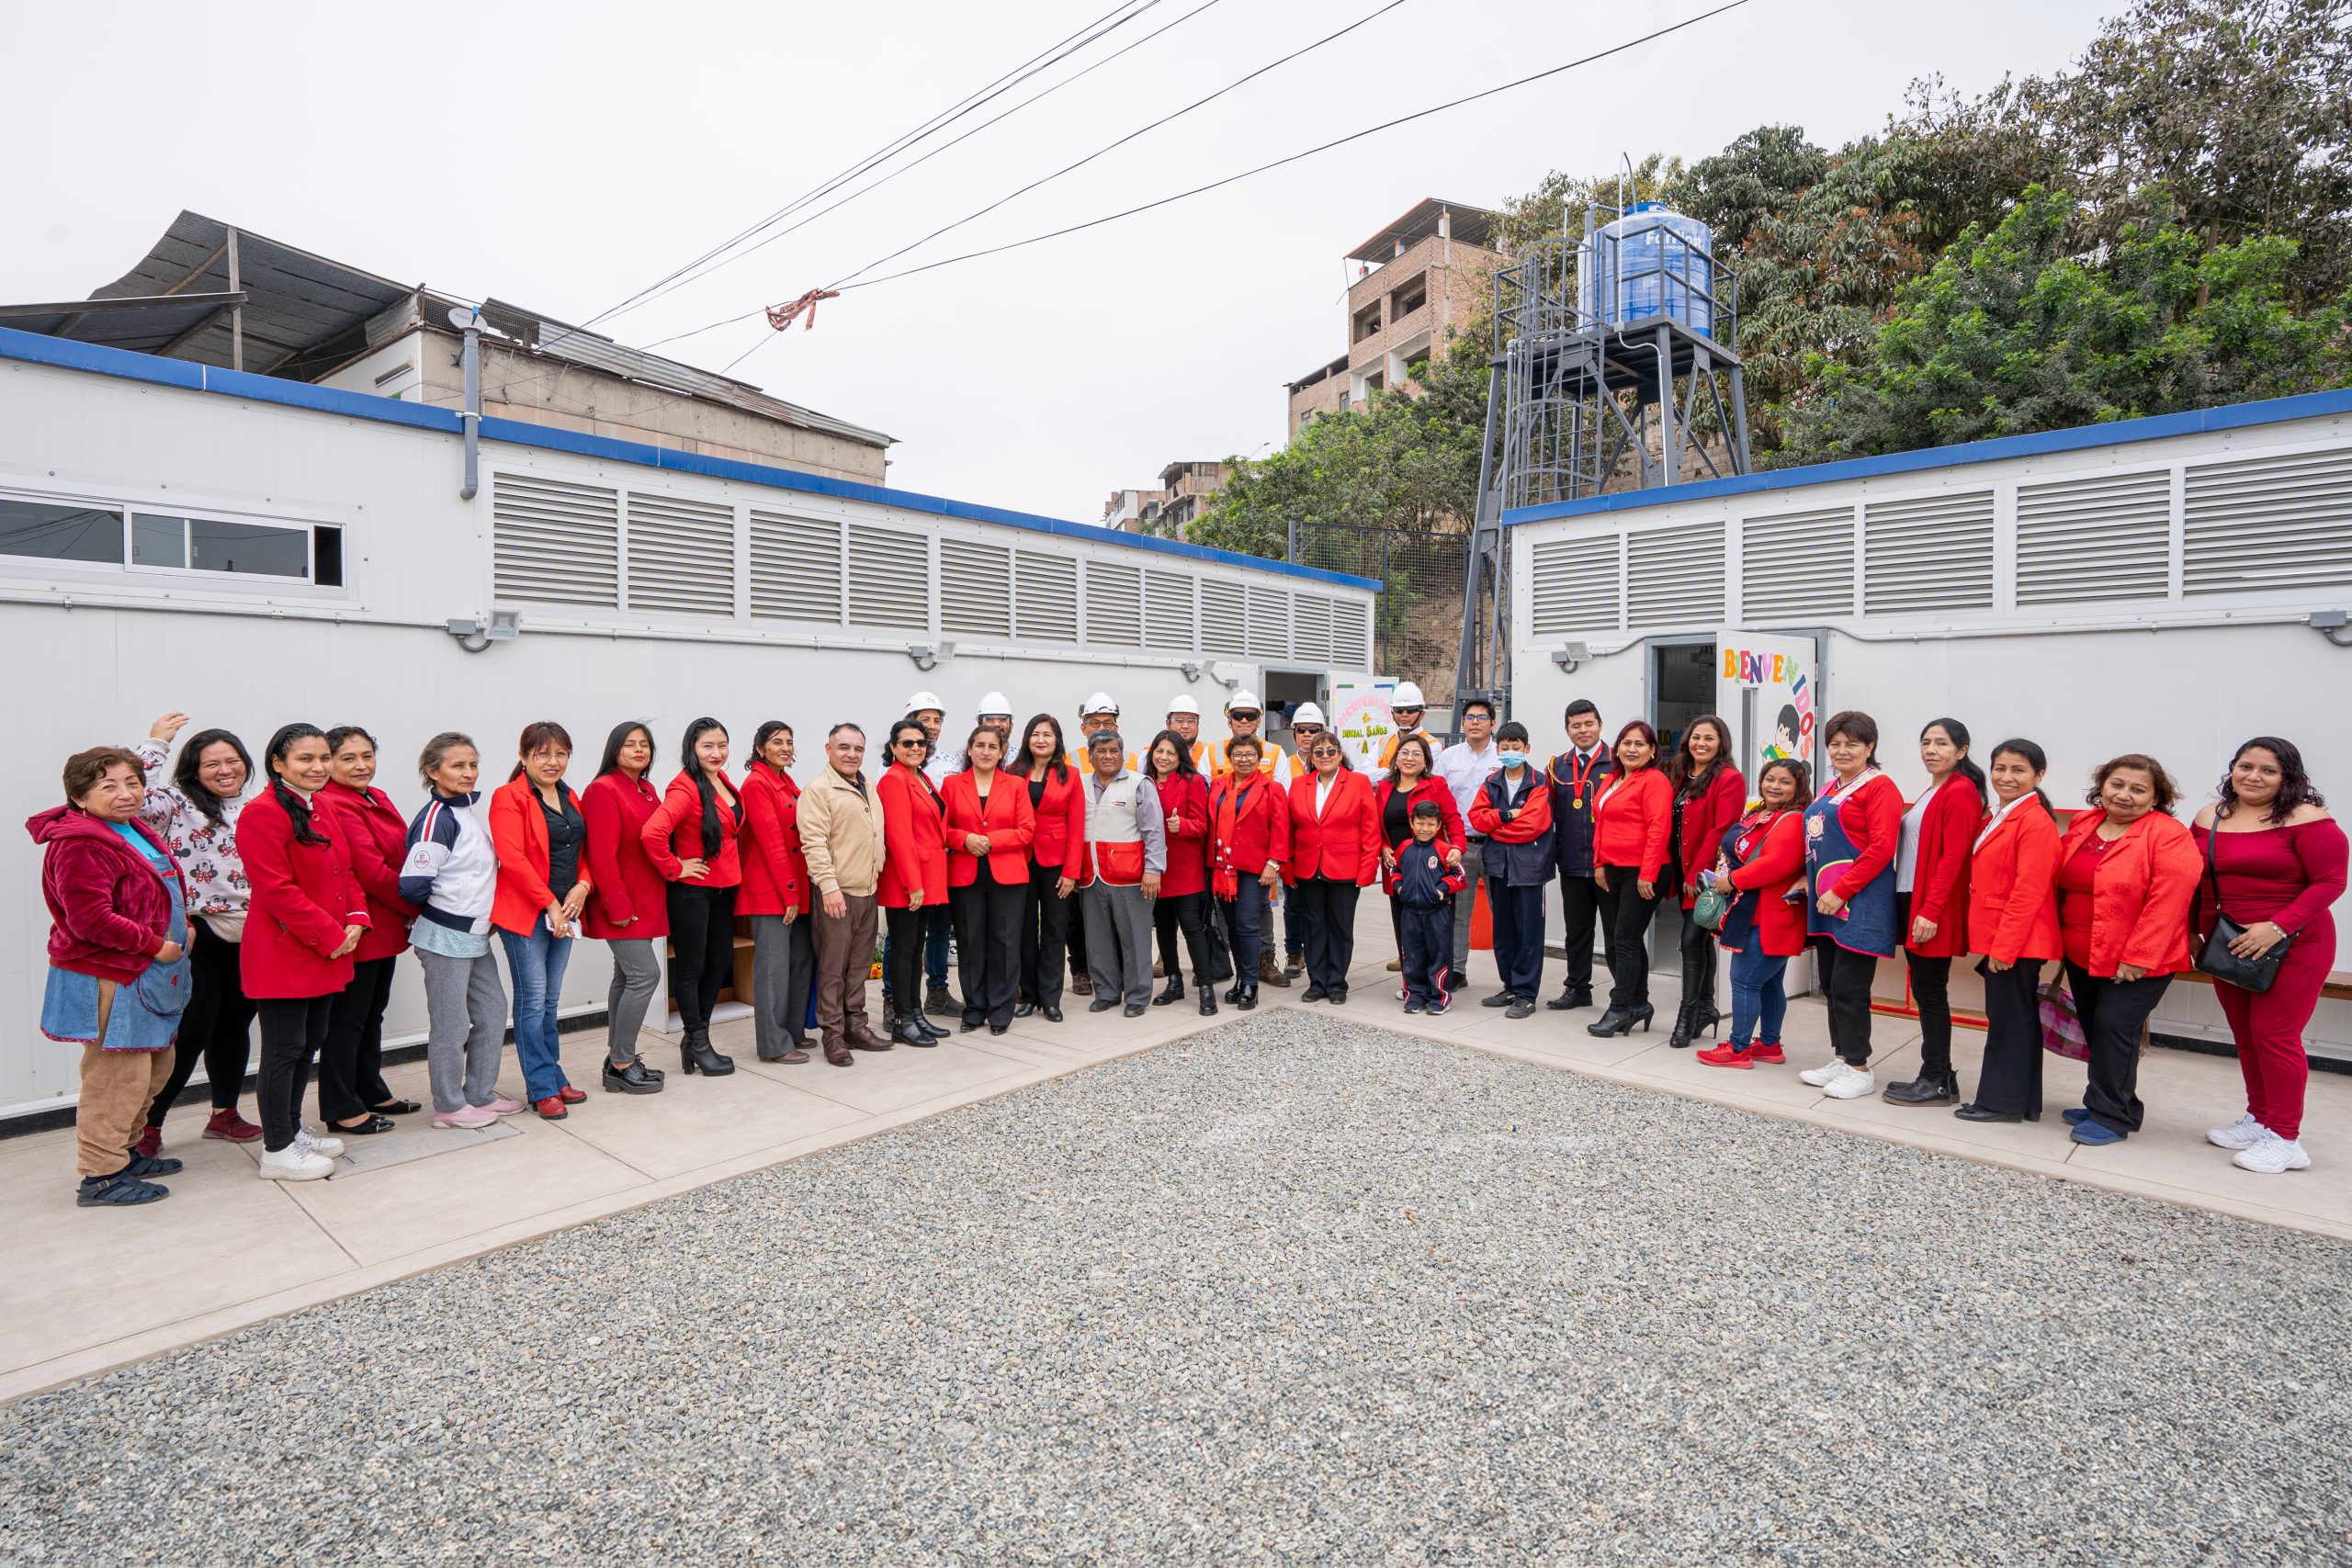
(1652, 262)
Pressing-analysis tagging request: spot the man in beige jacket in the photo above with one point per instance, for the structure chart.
(840, 834)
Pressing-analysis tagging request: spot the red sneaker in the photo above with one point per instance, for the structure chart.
(1725, 1056)
(1770, 1054)
(570, 1095)
(150, 1143)
(230, 1126)
(552, 1107)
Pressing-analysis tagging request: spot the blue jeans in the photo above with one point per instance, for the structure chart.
(535, 965)
(1757, 995)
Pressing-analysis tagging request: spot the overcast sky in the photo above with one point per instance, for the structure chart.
(561, 157)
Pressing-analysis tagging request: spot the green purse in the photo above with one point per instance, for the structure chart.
(1707, 911)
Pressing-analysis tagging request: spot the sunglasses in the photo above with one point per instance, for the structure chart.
(1246, 715)
(918, 744)
(1306, 729)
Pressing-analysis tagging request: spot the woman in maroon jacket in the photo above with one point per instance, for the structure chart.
(629, 907)
(352, 1096)
(305, 921)
(692, 839)
(915, 872)
(1184, 904)
(1932, 893)
(1057, 860)
(1412, 778)
(1710, 795)
(776, 895)
(118, 965)
(1760, 860)
(989, 827)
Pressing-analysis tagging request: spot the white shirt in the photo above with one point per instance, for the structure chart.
(1464, 769)
(937, 769)
(1907, 858)
(1323, 791)
(1996, 819)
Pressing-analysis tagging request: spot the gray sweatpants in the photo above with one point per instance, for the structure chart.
(1118, 941)
(465, 1007)
(783, 965)
(1474, 872)
(637, 980)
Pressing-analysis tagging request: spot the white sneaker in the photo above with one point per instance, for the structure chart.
(2272, 1155)
(1820, 1075)
(295, 1163)
(1851, 1083)
(2243, 1134)
(312, 1143)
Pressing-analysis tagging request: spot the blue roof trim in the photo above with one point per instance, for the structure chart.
(36, 349)
(2155, 427)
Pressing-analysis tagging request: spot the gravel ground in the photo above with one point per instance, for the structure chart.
(1296, 1290)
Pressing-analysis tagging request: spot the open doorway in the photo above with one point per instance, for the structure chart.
(1286, 689)
(1682, 687)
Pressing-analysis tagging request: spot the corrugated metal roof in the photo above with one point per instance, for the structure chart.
(1471, 225)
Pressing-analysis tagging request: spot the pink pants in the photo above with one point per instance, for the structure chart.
(2268, 1027)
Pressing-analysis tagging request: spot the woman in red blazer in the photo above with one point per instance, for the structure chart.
(629, 907)
(305, 921)
(1710, 795)
(774, 893)
(692, 837)
(1931, 899)
(541, 839)
(1182, 907)
(914, 873)
(1632, 845)
(1412, 778)
(1249, 841)
(1057, 860)
(352, 1096)
(1335, 852)
(989, 827)
(1760, 859)
(2127, 872)
(2013, 922)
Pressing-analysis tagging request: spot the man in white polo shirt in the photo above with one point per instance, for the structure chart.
(1465, 766)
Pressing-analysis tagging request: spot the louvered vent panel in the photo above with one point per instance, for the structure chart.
(974, 588)
(1114, 604)
(1269, 623)
(1796, 564)
(2108, 536)
(1224, 617)
(1929, 552)
(680, 556)
(1167, 611)
(1352, 634)
(1675, 576)
(890, 577)
(2268, 522)
(795, 568)
(554, 542)
(1045, 597)
(1311, 628)
(1575, 586)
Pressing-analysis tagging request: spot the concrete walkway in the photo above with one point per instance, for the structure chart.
(91, 1289)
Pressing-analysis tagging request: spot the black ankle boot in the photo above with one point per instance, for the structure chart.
(1680, 1038)
(1928, 1088)
(1208, 1001)
(701, 1058)
(1174, 992)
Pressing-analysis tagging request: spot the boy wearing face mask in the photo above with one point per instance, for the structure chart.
(1425, 885)
(1513, 809)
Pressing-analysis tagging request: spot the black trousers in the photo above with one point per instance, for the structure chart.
(1698, 966)
(1325, 906)
(987, 945)
(217, 1028)
(351, 1067)
(902, 960)
(2011, 1081)
(293, 1030)
(1074, 931)
(1580, 907)
(1932, 994)
(1846, 985)
(1044, 936)
(702, 949)
(1629, 916)
(2113, 1013)
(1187, 915)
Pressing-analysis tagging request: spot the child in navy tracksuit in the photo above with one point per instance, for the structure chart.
(1424, 885)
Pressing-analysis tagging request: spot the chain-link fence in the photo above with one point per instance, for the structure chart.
(1417, 620)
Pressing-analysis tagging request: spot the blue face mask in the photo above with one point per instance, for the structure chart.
(1515, 761)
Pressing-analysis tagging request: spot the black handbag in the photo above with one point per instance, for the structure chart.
(2215, 957)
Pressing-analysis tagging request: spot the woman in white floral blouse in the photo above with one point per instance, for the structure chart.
(195, 808)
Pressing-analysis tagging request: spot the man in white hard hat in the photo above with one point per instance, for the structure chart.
(1407, 709)
(1184, 719)
(995, 713)
(926, 709)
(1097, 712)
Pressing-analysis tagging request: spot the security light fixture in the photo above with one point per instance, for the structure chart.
(1572, 655)
(930, 656)
(475, 633)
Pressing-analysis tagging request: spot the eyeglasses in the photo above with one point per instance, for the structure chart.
(1246, 715)
(1306, 729)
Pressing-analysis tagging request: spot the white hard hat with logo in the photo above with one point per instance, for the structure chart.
(1406, 695)
(1099, 703)
(1308, 713)
(1181, 703)
(1243, 699)
(923, 700)
(993, 706)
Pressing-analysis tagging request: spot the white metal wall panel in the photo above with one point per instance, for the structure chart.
(795, 568)
(1269, 623)
(2261, 522)
(680, 556)
(1168, 611)
(2099, 537)
(555, 543)
(976, 589)
(1352, 634)
(1225, 618)
(890, 577)
(1311, 628)
(1575, 586)
(1113, 604)
(1674, 577)
(1928, 553)
(1044, 596)
(1797, 565)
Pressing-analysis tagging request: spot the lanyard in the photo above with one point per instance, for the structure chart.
(1580, 775)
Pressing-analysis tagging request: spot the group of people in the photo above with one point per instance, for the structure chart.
(2121, 898)
(190, 896)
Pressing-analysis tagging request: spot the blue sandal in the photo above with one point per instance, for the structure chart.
(120, 1188)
